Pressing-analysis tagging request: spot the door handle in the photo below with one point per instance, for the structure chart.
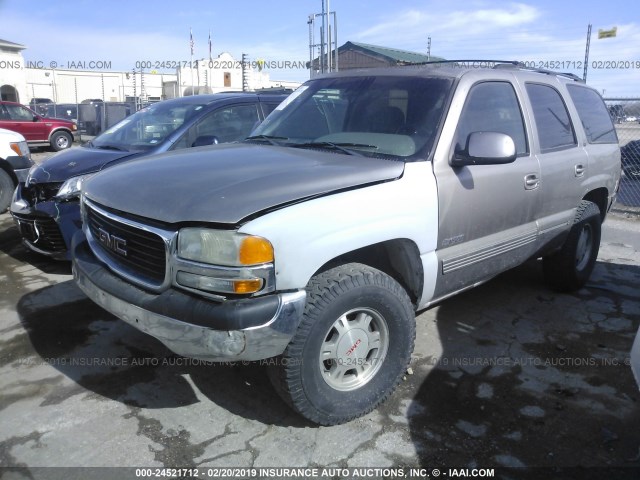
(579, 170)
(531, 181)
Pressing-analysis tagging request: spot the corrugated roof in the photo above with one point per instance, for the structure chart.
(393, 54)
(6, 43)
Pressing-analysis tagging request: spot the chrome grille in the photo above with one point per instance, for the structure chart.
(139, 253)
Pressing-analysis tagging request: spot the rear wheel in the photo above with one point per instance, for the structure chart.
(570, 268)
(6, 190)
(60, 141)
(352, 346)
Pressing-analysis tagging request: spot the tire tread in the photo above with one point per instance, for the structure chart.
(321, 290)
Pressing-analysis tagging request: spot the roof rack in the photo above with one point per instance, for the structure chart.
(497, 64)
(571, 76)
(475, 60)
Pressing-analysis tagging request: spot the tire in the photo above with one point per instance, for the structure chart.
(61, 141)
(6, 190)
(570, 268)
(358, 367)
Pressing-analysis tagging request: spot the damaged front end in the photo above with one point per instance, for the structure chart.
(45, 221)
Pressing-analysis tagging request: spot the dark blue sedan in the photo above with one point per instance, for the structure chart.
(46, 208)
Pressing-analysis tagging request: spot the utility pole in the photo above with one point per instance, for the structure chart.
(429, 49)
(586, 54)
(328, 38)
(327, 57)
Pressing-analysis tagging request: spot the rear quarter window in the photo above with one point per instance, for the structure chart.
(593, 114)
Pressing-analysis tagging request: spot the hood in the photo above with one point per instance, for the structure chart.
(11, 136)
(74, 161)
(58, 120)
(228, 183)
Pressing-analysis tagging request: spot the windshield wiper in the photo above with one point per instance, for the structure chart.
(344, 147)
(269, 138)
(110, 147)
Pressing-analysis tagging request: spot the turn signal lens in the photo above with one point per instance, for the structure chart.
(255, 250)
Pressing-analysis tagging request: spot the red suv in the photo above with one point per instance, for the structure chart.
(36, 129)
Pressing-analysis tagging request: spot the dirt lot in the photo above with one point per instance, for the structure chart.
(507, 375)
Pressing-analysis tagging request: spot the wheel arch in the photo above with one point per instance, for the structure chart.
(8, 169)
(60, 129)
(399, 258)
(600, 197)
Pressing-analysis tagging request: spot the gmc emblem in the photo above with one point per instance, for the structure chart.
(112, 242)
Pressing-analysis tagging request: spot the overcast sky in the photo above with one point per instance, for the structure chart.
(124, 32)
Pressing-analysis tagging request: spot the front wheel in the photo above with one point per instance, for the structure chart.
(352, 346)
(6, 190)
(60, 141)
(570, 268)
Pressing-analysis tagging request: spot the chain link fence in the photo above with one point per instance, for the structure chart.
(92, 117)
(625, 113)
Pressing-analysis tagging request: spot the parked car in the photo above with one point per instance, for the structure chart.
(15, 162)
(365, 196)
(630, 155)
(39, 105)
(38, 130)
(66, 111)
(46, 208)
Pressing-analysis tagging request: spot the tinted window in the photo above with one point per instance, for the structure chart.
(552, 119)
(227, 124)
(267, 108)
(492, 107)
(148, 127)
(593, 115)
(18, 112)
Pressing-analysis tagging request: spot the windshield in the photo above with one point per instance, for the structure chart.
(378, 116)
(147, 128)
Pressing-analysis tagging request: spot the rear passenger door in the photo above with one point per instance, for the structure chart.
(486, 212)
(563, 163)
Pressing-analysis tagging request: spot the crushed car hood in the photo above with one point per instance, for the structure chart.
(75, 161)
(228, 183)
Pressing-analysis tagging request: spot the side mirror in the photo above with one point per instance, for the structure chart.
(203, 140)
(486, 148)
(36, 118)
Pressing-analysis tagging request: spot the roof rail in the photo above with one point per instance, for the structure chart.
(434, 62)
(497, 64)
(569, 75)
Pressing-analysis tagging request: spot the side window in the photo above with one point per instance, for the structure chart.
(227, 124)
(4, 115)
(593, 114)
(267, 108)
(17, 112)
(552, 119)
(492, 107)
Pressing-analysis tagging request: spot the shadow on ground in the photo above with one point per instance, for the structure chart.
(529, 377)
(104, 355)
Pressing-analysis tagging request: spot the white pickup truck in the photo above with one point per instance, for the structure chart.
(15, 162)
(363, 197)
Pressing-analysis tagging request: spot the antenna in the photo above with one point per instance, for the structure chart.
(586, 55)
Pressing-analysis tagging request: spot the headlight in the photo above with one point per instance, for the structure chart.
(72, 187)
(222, 247)
(235, 263)
(21, 148)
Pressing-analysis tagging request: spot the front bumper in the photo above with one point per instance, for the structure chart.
(246, 329)
(46, 227)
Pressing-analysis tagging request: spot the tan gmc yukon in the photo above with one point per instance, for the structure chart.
(365, 196)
